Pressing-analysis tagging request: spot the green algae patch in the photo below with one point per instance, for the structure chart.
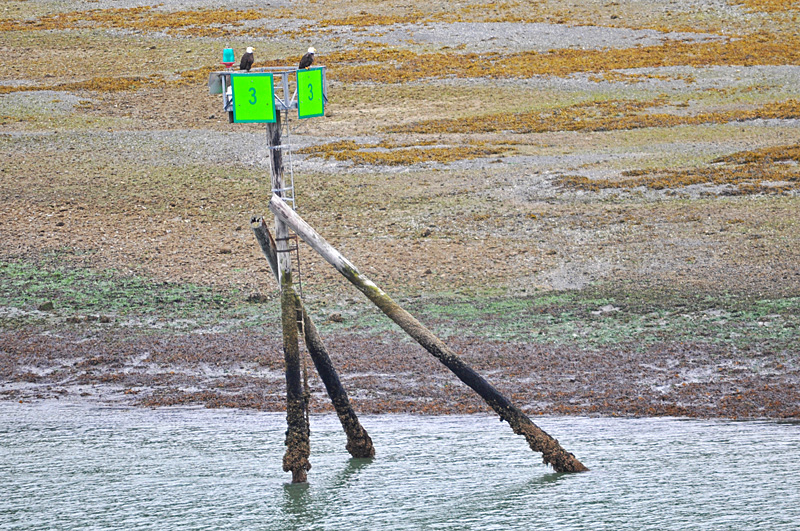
(74, 295)
(606, 316)
(73, 290)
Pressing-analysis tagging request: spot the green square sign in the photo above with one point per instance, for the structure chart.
(310, 99)
(253, 98)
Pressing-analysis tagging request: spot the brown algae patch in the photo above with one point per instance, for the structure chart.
(391, 154)
(383, 64)
(364, 19)
(98, 84)
(143, 18)
(376, 62)
(616, 76)
(771, 170)
(769, 6)
(607, 115)
(117, 84)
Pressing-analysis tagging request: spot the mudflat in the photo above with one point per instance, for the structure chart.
(595, 205)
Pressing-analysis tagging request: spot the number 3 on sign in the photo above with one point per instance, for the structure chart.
(310, 97)
(253, 98)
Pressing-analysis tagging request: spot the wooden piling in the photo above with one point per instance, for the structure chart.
(538, 439)
(359, 443)
(298, 448)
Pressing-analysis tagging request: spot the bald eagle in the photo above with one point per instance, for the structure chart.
(247, 60)
(308, 58)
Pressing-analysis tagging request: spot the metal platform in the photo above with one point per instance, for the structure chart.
(285, 98)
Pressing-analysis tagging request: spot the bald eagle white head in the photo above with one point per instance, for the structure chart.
(247, 60)
(308, 58)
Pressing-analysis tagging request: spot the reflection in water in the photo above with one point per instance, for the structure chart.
(546, 479)
(81, 467)
(298, 506)
(350, 471)
(304, 504)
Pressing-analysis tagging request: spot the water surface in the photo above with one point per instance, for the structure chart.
(86, 467)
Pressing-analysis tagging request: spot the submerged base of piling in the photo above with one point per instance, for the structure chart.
(298, 448)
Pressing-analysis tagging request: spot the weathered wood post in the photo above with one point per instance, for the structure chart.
(298, 448)
(359, 443)
(538, 440)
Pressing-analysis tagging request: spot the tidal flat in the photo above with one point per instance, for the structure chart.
(595, 205)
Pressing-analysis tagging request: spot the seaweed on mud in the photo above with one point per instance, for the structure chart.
(386, 64)
(769, 6)
(144, 18)
(608, 115)
(364, 18)
(380, 63)
(668, 358)
(390, 154)
(772, 170)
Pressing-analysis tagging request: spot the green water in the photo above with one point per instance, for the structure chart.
(85, 467)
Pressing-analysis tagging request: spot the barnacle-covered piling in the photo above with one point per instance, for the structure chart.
(539, 441)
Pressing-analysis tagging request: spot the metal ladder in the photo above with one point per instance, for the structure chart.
(287, 194)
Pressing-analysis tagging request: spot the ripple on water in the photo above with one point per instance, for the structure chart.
(81, 467)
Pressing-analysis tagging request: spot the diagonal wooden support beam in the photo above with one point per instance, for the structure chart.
(539, 441)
